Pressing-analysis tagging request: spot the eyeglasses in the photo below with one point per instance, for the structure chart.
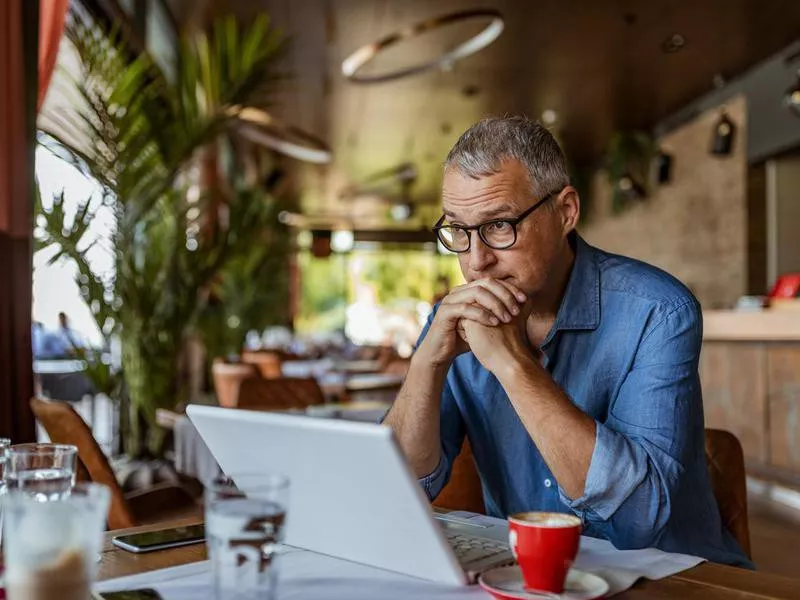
(499, 234)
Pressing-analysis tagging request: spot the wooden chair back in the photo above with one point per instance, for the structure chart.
(65, 426)
(725, 461)
(463, 491)
(280, 394)
(268, 363)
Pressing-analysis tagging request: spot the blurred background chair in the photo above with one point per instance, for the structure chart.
(228, 377)
(279, 394)
(268, 363)
(726, 471)
(160, 502)
(463, 491)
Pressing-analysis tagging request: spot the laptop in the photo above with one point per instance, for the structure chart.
(352, 494)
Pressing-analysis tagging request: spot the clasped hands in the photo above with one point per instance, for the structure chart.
(485, 316)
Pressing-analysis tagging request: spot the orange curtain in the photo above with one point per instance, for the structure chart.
(52, 14)
(18, 37)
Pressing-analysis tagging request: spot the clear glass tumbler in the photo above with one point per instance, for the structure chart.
(245, 521)
(51, 546)
(46, 471)
(4, 444)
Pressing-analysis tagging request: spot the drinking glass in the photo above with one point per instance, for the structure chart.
(4, 444)
(46, 471)
(245, 521)
(51, 547)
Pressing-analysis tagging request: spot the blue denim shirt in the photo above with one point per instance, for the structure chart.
(624, 347)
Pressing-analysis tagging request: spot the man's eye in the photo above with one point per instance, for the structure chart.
(500, 226)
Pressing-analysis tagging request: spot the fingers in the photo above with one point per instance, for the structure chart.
(484, 298)
(473, 312)
(520, 296)
(501, 298)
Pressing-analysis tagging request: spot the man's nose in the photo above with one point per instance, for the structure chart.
(481, 256)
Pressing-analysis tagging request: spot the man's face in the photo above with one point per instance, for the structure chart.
(505, 194)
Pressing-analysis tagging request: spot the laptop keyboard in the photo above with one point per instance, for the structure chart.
(470, 549)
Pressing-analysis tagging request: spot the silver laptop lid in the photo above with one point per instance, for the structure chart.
(352, 494)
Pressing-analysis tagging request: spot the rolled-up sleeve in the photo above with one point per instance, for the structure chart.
(653, 429)
(435, 480)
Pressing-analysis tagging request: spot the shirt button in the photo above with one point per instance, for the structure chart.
(547, 483)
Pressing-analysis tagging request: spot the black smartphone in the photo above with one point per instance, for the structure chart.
(149, 541)
(142, 594)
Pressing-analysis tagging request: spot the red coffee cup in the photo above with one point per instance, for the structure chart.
(545, 545)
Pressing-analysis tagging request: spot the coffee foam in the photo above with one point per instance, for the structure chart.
(545, 519)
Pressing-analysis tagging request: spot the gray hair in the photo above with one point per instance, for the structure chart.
(481, 150)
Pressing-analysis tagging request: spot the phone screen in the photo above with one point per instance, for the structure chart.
(143, 594)
(149, 539)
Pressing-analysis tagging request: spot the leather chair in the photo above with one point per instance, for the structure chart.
(726, 470)
(463, 491)
(279, 394)
(268, 363)
(161, 502)
(228, 377)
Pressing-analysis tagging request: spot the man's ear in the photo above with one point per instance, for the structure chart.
(568, 204)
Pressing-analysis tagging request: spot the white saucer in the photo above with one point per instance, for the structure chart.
(506, 583)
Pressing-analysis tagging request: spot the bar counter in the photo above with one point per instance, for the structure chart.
(750, 371)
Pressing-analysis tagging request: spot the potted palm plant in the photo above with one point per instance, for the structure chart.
(146, 137)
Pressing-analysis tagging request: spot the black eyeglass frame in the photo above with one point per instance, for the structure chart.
(513, 221)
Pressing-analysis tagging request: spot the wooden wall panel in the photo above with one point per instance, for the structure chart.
(783, 376)
(734, 384)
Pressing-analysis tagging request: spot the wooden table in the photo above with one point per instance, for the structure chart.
(704, 582)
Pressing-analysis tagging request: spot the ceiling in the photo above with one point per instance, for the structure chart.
(598, 63)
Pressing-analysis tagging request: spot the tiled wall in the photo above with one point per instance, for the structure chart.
(695, 227)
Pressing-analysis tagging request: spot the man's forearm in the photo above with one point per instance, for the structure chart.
(563, 434)
(414, 416)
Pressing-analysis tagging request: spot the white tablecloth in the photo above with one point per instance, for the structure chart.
(306, 575)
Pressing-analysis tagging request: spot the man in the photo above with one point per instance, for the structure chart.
(573, 372)
(71, 340)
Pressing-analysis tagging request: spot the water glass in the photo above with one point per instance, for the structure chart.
(4, 444)
(245, 520)
(51, 547)
(46, 471)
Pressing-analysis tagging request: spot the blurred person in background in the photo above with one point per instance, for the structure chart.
(71, 340)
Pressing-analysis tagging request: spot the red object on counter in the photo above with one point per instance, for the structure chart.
(786, 286)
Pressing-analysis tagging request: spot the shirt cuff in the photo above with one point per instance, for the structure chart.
(616, 469)
(433, 482)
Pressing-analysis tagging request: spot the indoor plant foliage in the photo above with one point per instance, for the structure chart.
(629, 159)
(146, 139)
(250, 293)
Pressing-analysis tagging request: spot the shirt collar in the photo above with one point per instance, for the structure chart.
(580, 306)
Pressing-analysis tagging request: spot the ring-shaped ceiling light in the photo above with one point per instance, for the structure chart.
(260, 127)
(363, 55)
